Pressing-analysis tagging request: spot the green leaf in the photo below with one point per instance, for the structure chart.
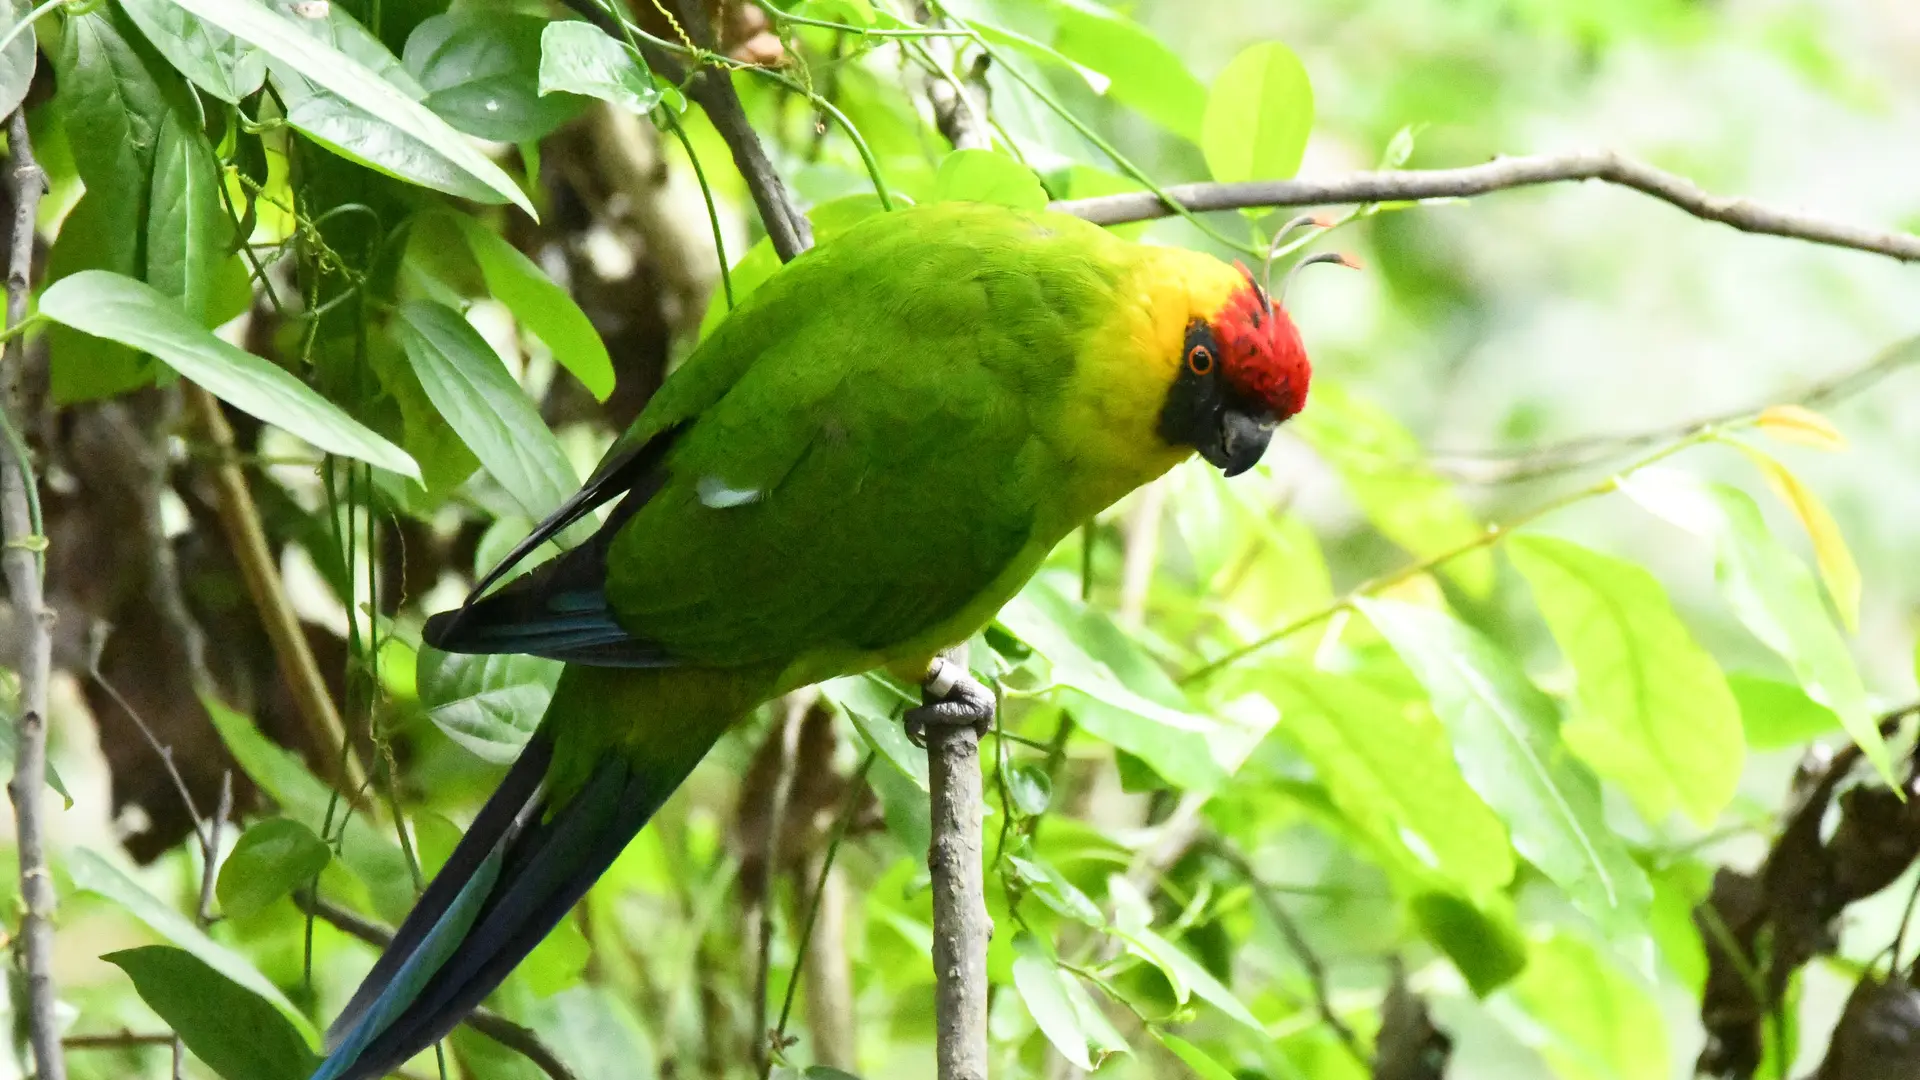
(875, 708)
(120, 309)
(1677, 891)
(1147, 76)
(367, 849)
(1119, 694)
(1778, 715)
(271, 859)
(1193, 1057)
(488, 704)
(112, 110)
(1386, 472)
(1131, 914)
(579, 58)
(1586, 1017)
(213, 59)
(225, 1024)
(189, 236)
(1506, 737)
(1053, 889)
(1656, 715)
(1483, 940)
(1390, 771)
(481, 71)
(988, 177)
(22, 55)
(93, 873)
(540, 306)
(1042, 987)
(1771, 592)
(335, 71)
(470, 385)
(1258, 116)
(1030, 789)
(1039, 50)
(1830, 552)
(829, 219)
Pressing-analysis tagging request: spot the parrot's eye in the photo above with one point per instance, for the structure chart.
(1200, 360)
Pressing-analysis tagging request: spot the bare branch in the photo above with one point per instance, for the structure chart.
(25, 570)
(516, 1037)
(1498, 175)
(961, 926)
(240, 519)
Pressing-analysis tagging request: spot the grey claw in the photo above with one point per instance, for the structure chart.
(964, 703)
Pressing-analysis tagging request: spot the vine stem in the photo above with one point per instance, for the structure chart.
(1494, 534)
(25, 568)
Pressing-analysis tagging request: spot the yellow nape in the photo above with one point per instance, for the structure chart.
(1110, 428)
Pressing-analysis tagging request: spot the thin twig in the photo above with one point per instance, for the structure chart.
(1500, 174)
(240, 519)
(117, 1041)
(856, 784)
(25, 569)
(787, 228)
(961, 926)
(1309, 961)
(516, 1037)
(770, 850)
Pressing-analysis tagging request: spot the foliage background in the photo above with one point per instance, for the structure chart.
(1481, 333)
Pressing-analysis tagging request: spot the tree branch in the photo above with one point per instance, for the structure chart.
(516, 1037)
(25, 571)
(961, 927)
(240, 519)
(1498, 175)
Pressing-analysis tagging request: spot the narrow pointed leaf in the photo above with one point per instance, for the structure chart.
(132, 313)
(540, 306)
(1830, 552)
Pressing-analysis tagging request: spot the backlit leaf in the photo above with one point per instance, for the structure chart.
(543, 308)
(1259, 113)
(1830, 552)
(988, 177)
(1801, 426)
(1590, 1020)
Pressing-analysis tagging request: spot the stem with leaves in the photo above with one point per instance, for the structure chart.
(25, 568)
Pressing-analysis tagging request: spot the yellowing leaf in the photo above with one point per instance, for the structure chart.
(1801, 426)
(1837, 568)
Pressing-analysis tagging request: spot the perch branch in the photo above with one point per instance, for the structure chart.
(25, 569)
(1500, 174)
(961, 926)
(515, 1037)
(240, 519)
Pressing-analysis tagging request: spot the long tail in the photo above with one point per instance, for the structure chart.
(527, 859)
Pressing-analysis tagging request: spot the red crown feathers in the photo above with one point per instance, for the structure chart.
(1261, 352)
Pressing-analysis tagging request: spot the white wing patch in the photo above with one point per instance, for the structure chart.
(717, 494)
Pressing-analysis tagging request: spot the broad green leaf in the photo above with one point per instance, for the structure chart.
(1147, 76)
(368, 849)
(1259, 113)
(1778, 715)
(120, 309)
(1120, 695)
(579, 58)
(271, 859)
(470, 385)
(189, 236)
(1771, 593)
(540, 306)
(1030, 789)
(112, 109)
(1655, 715)
(335, 71)
(481, 71)
(1041, 984)
(488, 704)
(1385, 471)
(20, 58)
(1482, 939)
(93, 873)
(1039, 50)
(213, 59)
(875, 709)
(1053, 889)
(1203, 1065)
(225, 1024)
(1390, 771)
(1801, 426)
(1830, 551)
(988, 177)
(1590, 1020)
(1506, 737)
(1677, 891)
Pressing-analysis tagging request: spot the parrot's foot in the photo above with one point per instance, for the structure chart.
(950, 697)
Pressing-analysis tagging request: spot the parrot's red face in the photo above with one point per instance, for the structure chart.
(1243, 373)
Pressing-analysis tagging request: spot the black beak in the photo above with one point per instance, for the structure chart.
(1238, 440)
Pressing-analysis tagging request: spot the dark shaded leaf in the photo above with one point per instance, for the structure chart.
(226, 1025)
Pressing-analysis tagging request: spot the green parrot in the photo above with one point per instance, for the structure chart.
(856, 469)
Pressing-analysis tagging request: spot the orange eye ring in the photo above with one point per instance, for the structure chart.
(1200, 360)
